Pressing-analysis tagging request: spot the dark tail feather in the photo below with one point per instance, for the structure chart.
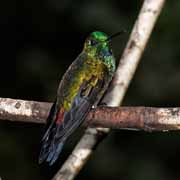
(51, 147)
(54, 154)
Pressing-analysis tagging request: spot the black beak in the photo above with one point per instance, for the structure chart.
(115, 35)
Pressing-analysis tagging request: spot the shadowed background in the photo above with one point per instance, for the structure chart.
(39, 40)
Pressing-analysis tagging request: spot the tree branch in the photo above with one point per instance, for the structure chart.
(139, 118)
(125, 71)
(23, 111)
(135, 118)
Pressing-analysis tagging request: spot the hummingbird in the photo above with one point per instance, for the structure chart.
(81, 88)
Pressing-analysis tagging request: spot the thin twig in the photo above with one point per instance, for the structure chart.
(125, 71)
(138, 118)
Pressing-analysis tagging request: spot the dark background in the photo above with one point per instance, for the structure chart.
(38, 41)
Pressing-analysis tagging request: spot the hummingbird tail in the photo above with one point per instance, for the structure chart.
(51, 148)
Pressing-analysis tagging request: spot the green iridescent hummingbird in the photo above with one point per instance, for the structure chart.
(81, 88)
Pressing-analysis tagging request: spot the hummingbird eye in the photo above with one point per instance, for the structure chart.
(92, 42)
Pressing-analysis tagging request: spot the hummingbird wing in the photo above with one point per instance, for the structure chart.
(89, 85)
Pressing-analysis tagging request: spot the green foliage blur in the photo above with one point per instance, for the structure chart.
(39, 40)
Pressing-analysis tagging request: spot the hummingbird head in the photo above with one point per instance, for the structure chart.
(97, 45)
